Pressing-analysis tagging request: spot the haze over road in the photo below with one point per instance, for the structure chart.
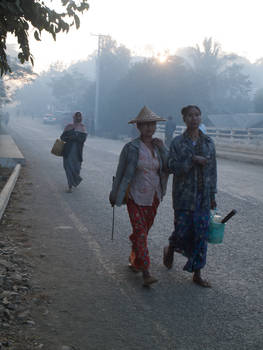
(97, 303)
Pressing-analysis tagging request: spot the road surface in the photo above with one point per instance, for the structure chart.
(96, 302)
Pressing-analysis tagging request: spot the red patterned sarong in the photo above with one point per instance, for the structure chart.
(142, 218)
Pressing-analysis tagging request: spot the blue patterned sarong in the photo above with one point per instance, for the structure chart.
(72, 166)
(189, 237)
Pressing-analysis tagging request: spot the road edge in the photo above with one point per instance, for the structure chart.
(240, 157)
(8, 188)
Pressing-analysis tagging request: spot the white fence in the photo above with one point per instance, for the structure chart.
(252, 136)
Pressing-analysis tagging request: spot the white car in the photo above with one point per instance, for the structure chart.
(49, 119)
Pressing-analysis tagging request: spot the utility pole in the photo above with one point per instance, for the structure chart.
(101, 43)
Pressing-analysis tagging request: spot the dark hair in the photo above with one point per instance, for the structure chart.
(186, 109)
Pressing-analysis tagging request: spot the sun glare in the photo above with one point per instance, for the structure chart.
(162, 58)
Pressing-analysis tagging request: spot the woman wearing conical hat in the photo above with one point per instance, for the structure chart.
(140, 183)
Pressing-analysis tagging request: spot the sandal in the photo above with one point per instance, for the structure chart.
(147, 281)
(201, 282)
(168, 258)
(133, 268)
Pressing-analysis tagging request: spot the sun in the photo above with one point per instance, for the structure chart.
(162, 58)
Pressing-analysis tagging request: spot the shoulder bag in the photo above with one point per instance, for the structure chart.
(58, 147)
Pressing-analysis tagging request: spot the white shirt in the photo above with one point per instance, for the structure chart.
(146, 181)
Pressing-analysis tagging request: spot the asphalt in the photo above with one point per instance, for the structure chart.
(12, 157)
(95, 302)
(239, 154)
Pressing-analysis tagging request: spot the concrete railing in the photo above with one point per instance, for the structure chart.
(252, 136)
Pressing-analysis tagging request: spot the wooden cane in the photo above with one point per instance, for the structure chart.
(113, 216)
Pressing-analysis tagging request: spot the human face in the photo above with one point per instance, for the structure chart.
(147, 129)
(193, 119)
(77, 118)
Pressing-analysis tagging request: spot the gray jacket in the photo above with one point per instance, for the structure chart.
(126, 170)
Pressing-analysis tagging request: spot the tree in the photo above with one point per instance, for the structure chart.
(11, 82)
(16, 17)
(70, 91)
(205, 76)
(59, 89)
(220, 85)
(3, 96)
(258, 101)
(164, 88)
(114, 64)
(35, 97)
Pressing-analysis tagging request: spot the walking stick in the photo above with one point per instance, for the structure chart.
(113, 216)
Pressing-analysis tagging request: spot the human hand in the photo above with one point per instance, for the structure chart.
(213, 204)
(157, 142)
(112, 201)
(200, 160)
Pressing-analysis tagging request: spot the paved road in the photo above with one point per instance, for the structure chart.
(96, 302)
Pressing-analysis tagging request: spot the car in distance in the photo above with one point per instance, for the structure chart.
(49, 119)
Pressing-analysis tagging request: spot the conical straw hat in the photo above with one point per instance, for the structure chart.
(146, 115)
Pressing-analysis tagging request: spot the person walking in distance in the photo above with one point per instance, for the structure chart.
(192, 160)
(140, 183)
(170, 127)
(74, 136)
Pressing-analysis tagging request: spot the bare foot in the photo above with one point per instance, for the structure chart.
(148, 280)
(133, 268)
(168, 257)
(201, 282)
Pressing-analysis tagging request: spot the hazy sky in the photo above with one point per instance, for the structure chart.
(151, 25)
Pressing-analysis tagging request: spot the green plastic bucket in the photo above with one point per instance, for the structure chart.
(215, 232)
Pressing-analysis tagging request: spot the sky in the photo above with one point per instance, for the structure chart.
(150, 27)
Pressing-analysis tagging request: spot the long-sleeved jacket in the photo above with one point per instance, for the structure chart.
(185, 181)
(70, 137)
(128, 161)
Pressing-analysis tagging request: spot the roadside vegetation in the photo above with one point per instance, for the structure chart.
(219, 82)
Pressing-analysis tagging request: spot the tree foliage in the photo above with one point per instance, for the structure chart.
(218, 78)
(16, 17)
(114, 64)
(162, 87)
(70, 91)
(58, 89)
(3, 96)
(206, 76)
(10, 82)
(258, 101)
(34, 98)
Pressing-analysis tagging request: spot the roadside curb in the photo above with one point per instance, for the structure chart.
(8, 188)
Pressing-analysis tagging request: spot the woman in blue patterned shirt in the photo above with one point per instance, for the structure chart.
(192, 160)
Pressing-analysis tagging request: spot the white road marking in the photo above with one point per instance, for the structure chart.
(106, 265)
(63, 227)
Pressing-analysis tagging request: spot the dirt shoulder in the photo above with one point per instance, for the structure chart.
(17, 296)
(4, 175)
